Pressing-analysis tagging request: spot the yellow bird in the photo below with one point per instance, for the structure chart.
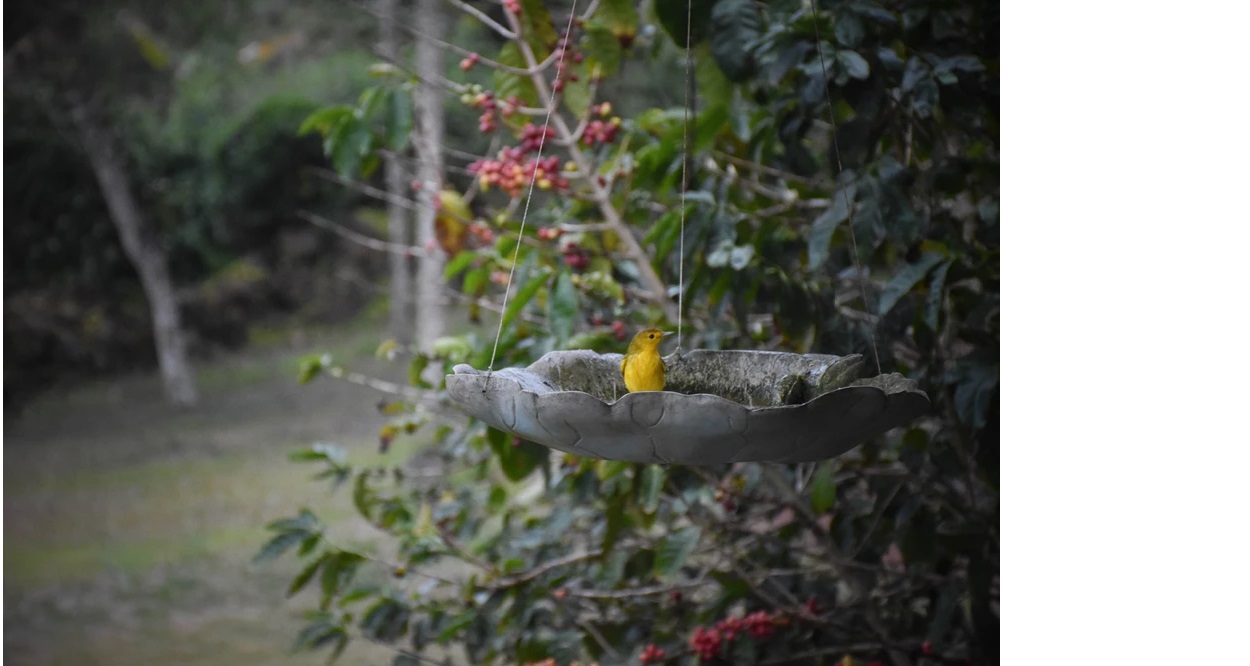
(642, 367)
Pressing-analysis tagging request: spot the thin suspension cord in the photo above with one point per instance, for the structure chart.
(542, 140)
(859, 270)
(685, 160)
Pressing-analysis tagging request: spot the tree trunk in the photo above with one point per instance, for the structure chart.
(145, 252)
(397, 216)
(428, 100)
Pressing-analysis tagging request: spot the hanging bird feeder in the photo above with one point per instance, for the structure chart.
(718, 406)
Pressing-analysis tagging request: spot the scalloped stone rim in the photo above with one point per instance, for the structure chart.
(545, 403)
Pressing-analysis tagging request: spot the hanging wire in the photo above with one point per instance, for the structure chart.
(542, 141)
(685, 183)
(859, 270)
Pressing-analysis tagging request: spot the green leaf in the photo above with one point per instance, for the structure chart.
(279, 545)
(337, 572)
(363, 497)
(522, 297)
(602, 50)
(620, 17)
(319, 451)
(523, 460)
(671, 553)
(824, 493)
(537, 27)
(735, 27)
(459, 263)
(399, 118)
(370, 99)
(905, 280)
(610, 469)
(933, 304)
(576, 96)
(455, 625)
(306, 575)
(416, 368)
(848, 30)
(309, 368)
(853, 64)
(454, 348)
(514, 85)
(650, 486)
(824, 226)
(386, 621)
(324, 120)
(348, 143)
(672, 17)
(713, 88)
(732, 587)
(305, 522)
(973, 391)
(562, 308)
(519, 461)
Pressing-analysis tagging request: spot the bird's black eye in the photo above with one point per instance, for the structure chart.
(652, 336)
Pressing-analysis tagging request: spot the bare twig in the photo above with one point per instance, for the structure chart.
(630, 593)
(362, 239)
(365, 189)
(513, 581)
(460, 551)
(408, 392)
(486, 20)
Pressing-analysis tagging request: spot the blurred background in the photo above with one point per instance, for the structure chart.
(129, 520)
(128, 516)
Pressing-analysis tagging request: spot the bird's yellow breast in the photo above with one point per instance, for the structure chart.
(643, 371)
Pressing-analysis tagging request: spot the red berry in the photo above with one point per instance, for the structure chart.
(926, 649)
(706, 643)
(760, 624)
(652, 654)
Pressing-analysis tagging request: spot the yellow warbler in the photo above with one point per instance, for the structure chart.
(642, 366)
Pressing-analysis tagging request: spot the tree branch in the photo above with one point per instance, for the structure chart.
(364, 240)
(656, 292)
(486, 20)
(537, 571)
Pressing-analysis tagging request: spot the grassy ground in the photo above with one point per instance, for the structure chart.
(129, 524)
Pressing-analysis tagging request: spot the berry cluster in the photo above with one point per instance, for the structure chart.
(565, 52)
(485, 100)
(652, 654)
(484, 234)
(513, 6)
(512, 171)
(575, 257)
(598, 131)
(467, 63)
(549, 233)
(533, 137)
(707, 642)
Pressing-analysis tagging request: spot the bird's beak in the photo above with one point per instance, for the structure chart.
(668, 333)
